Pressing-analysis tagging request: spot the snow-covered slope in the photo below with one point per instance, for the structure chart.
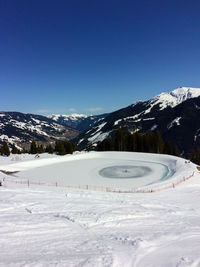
(79, 122)
(73, 117)
(52, 226)
(165, 112)
(20, 128)
(175, 97)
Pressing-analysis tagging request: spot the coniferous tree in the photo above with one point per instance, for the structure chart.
(49, 149)
(134, 142)
(60, 148)
(14, 150)
(195, 157)
(145, 144)
(159, 143)
(56, 149)
(33, 149)
(130, 142)
(168, 148)
(139, 142)
(69, 148)
(89, 147)
(106, 145)
(151, 142)
(5, 151)
(24, 151)
(176, 151)
(118, 141)
(40, 149)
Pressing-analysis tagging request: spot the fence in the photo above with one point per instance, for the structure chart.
(101, 188)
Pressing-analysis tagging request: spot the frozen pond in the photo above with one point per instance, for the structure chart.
(125, 172)
(115, 170)
(137, 170)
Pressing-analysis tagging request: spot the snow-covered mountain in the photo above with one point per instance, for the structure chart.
(79, 122)
(175, 114)
(174, 98)
(172, 113)
(20, 128)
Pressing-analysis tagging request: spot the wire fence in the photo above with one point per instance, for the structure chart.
(102, 188)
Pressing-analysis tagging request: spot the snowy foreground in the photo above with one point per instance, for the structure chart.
(56, 226)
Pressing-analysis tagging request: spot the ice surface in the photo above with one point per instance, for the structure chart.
(125, 171)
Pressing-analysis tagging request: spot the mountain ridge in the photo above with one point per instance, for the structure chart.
(21, 128)
(175, 114)
(143, 116)
(80, 122)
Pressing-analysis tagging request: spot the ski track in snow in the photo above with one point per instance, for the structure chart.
(67, 227)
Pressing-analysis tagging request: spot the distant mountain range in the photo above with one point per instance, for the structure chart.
(176, 115)
(79, 122)
(20, 128)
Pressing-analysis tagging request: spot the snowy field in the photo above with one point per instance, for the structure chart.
(57, 226)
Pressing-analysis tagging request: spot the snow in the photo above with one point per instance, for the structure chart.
(98, 137)
(147, 119)
(164, 100)
(117, 122)
(49, 226)
(154, 127)
(35, 120)
(197, 134)
(174, 98)
(99, 127)
(176, 121)
(170, 99)
(33, 128)
(80, 141)
(11, 140)
(130, 118)
(72, 117)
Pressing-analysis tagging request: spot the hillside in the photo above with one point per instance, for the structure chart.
(79, 122)
(20, 128)
(175, 115)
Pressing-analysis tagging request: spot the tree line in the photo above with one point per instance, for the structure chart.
(195, 157)
(5, 150)
(60, 148)
(121, 140)
(138, 142)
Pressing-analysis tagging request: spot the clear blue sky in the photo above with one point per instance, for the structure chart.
(95, 56)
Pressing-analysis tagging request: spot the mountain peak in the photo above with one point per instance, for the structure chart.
(175, 97)
(186, 92)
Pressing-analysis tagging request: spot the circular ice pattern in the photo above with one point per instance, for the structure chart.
(125, 171)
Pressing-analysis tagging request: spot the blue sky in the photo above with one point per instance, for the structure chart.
(95, 56)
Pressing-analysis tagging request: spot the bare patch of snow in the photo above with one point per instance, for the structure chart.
(176, 121)
(197, 134)
(154, 127)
